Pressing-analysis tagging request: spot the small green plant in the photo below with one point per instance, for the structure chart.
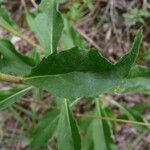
(136, 15)
(69, 75)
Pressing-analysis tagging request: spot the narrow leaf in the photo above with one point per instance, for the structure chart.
(48, 25)
(44, 130)
(125, 63)
(30, 17)
(101, 131)
(70, 38)
(10, 96)
(132, 115)
(33, 54)
(68, 134)
(5, 19)
(138, 80)
(88, 143)
(12, 61)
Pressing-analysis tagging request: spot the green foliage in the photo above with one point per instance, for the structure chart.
(10, 96)
(146, 56)
(68, 134)
(136, 15)
(138, 80)
(33, 54)
(6, 20)
(2, 1)
(70, 38)
(81, 73)
(12, 61)
(45, 129)
(71, 74)
(48, 25)
(76, 9)
(101, 131)
(97, 132)
(132, 115)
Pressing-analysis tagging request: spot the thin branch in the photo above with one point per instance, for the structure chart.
(10, 78)
(24, 5)
(34, 4)
(114, 119)
(29, 41)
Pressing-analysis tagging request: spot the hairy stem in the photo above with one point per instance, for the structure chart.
(10, 78)
(29, 41)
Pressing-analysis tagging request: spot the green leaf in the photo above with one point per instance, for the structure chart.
(48, 25)
(127, 61)
(101, 131)
(68, 134)
(47, 4)
(147, 56)
(132, 115)
(33, 54)
(75, 73)
(97, 135)
(30, 17)
(44, 130)
(138, 80)
(88, 143)
(141, 107)
(6, 20)
(70, 38)
(12, 61)
(85, 127)
(10, 96)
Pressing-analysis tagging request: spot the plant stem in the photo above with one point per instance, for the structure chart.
(114, 119)
(33, 44)
(10, 78)
(34, 4)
